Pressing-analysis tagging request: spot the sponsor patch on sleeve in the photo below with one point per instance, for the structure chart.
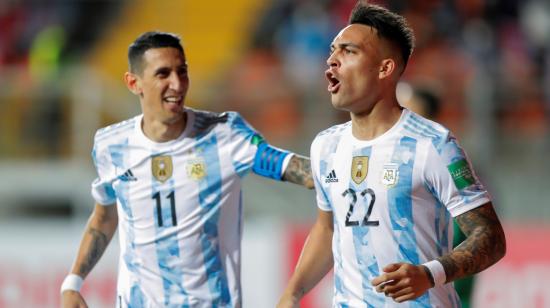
(461, 174)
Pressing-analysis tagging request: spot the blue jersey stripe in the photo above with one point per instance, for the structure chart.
(324, 170)
(366, 260)
(122, 194)
(401, 211)
(136, 297)
(209, 198)
(167, 248)
(441, 223)
(425, 129)
(241, 169)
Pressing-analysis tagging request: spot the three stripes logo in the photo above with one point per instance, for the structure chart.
(331, 177)
(127, 176)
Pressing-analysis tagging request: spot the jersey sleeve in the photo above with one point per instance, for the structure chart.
(451, 178)
(321, 194)
(102, 187)
(250, 151)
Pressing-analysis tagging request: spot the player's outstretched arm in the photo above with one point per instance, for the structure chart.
(484, 245)
(97, 235)
(315, 262)
(298, 171)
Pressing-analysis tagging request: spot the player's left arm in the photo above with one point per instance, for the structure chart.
(267, 161)
(484, 245)
(298, 171)
(282, 165)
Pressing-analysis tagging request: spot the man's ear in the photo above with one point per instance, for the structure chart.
(133, 83)
(387, 68)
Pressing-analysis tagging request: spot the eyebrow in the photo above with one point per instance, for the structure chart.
(344, 45)
(163, 69)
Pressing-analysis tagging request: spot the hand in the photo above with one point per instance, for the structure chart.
(72, 299)
(288, 301)
(402, 281)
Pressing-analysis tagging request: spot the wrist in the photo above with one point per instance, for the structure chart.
(435, 272)
(72, 282)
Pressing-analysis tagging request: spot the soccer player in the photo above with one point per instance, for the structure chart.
(388, 183)
(170, 179)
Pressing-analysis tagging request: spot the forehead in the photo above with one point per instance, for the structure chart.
(159, 57)
(356, 34)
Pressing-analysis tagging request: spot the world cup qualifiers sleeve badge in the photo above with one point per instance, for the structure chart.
(162, 168)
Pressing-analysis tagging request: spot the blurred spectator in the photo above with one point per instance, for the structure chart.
(255, 87)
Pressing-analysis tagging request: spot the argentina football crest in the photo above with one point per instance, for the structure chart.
(161, 167)
(390, 174)
(196, 168)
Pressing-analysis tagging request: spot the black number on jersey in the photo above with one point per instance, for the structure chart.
(365, 221)
(172, 199)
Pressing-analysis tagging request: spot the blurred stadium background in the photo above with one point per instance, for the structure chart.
(61, 67)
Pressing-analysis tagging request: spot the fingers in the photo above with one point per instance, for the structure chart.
(398, 291)
(390, 273)
(402, 282)
(392, 267)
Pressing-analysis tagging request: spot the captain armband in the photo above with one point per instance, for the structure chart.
(270, 161)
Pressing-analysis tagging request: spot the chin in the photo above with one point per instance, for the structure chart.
(339, 105)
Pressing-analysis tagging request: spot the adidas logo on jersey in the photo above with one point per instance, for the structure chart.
(331, 178)
(127, 176)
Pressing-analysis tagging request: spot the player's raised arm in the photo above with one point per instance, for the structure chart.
(99, 231)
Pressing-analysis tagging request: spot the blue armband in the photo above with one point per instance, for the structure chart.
(269, 161)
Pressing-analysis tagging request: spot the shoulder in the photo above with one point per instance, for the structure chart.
(332, 134)
(117, 132)
(326, 142)
(204, 120)
(426, 130)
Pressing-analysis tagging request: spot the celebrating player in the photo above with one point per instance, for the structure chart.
(387, 185)
(170, 179)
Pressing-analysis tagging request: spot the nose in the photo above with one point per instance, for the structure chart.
(332, 61)
(179, 82)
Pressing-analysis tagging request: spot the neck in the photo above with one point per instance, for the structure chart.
(163, 131)
(373, 123)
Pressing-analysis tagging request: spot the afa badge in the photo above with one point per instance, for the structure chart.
(359, 168)
(390, 174)
(196, 168)
(162, 168)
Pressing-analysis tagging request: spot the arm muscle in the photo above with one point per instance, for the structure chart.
(485, 243)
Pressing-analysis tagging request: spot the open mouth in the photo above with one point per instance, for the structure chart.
(173, 99)
(333, 82)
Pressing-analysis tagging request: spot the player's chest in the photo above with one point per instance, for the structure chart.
(185, 167)
(362, 181)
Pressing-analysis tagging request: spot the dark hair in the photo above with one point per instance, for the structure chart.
(388, 25)
(146, 41)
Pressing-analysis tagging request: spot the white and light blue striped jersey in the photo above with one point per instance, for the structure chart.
(392, 199)
(179, 208)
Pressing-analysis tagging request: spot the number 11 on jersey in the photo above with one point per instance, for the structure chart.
(158, 200)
